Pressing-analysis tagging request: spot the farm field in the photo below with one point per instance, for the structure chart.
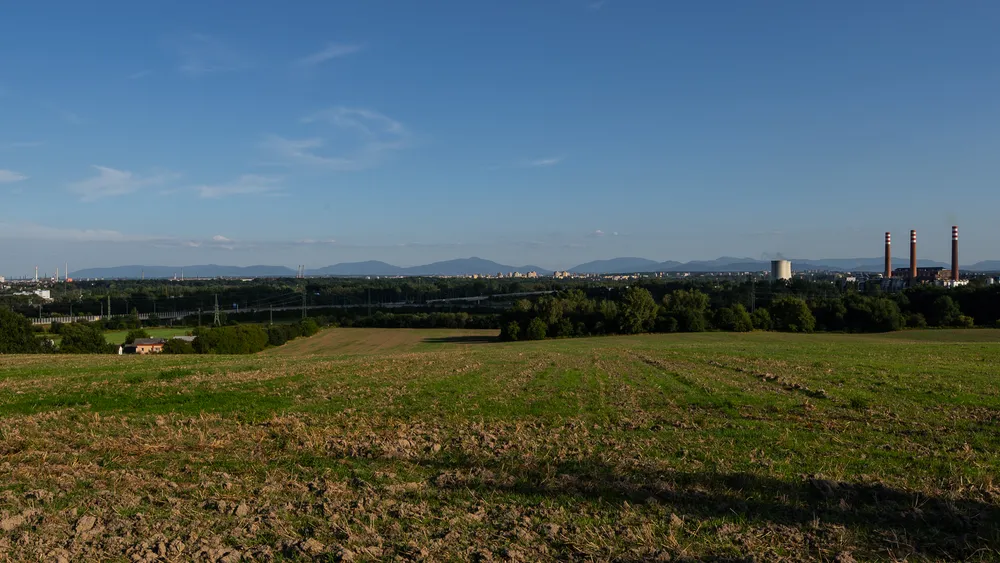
(381, 341)
(118, 336)
(361, 444)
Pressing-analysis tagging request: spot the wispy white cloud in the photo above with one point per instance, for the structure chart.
(140, 74)
(21, 145)
(366, 135)
(248, 184)
(110, 182)
(33, 231)
(220, 238)
(597, 5)
(538, 162)
(310, 241)
(9, 176)
(530, 163)
(201, 54)
(331, 51)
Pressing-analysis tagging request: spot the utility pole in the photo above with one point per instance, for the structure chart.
(271, 311)
(109, 305)
(305, 292)
(199, 317)
(217, 321)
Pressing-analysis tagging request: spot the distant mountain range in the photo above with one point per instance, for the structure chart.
(470, 266)
(459, 267)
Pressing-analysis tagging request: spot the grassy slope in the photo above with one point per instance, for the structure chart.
(380, 341)
(629, 447)
(118, 336)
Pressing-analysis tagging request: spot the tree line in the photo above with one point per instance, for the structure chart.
(18, 336)
(635, 310)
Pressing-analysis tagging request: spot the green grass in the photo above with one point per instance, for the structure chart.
(401, 443)
(118, 336)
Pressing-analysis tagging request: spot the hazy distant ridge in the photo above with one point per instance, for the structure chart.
(470, 266)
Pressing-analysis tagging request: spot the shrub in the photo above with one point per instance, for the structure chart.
(690, 320)
(16, 334)
(239, 339)
(537, 329)
(510, 332)
(916, 320)
(308, 327)
(84, 338)
(666, 323)
(735, 319)
(178, 346)
(761, 319)
(964, 321)
(563, 328)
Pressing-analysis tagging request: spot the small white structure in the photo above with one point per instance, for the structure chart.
(781, 270)
(43, 293)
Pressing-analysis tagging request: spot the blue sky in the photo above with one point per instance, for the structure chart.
(549, 132)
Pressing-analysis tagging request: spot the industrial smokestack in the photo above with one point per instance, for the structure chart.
(888, 255)
(954, 253)
(913, 255)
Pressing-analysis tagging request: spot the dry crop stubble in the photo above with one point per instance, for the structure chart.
(633, 448)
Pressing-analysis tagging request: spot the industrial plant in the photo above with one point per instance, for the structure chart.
(901, 278)
(781, 270)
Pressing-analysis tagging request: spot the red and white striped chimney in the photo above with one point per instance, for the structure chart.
(954, 253)
(913, 255)
(888, 255)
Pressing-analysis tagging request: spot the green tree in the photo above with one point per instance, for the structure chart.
(964, 321)
(637, 311)
(238, 339)
(689, 307)
(792, 314)
(153, 320)
(134, 334)
(178, 346)
(308, 327)
(132, 321)
(735, 319)
(84, 338)
(916, 320)
(537, 329)
(944, 311)
(17, 336)
(885, 315)
(761, 319)
(511, 331)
